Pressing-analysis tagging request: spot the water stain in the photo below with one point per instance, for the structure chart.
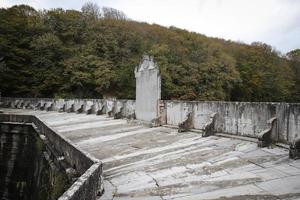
(24, 172)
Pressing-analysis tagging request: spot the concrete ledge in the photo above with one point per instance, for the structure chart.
(90, 184)
(249, 139)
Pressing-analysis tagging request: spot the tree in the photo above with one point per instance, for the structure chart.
(17, 28)
(93, 52)
(46, 64)
(111, 13)
(91, 10)
(294, 55)
(294, 61)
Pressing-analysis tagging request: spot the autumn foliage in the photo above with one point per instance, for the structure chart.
(93, 52)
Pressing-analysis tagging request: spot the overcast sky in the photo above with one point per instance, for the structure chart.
(275, 22)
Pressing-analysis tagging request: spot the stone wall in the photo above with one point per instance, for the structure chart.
(89, 184)
(239, 118)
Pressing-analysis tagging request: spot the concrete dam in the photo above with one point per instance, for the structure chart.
(150, 148)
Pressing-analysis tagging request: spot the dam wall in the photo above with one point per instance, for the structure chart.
(89, 183)
(249, 119)
(239, 118)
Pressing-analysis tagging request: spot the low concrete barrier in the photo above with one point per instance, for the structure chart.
(120, 108)
(239, 118)
(90, 184)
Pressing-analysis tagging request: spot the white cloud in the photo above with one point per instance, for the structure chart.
(275, 22)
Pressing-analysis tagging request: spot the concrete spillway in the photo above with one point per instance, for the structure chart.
(160, 163)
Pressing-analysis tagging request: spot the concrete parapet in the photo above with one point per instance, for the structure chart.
(248, 119)
(240, 118)
(177, 114)
(117, 108)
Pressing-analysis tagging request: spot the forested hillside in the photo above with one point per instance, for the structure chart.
(93, 52)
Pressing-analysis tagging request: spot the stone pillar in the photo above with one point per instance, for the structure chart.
(148, 90)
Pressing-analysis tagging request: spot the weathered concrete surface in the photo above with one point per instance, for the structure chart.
(240, 118)
(160, 163)
(124, 107)
(89, 184)
(148, 89)
(236, 118)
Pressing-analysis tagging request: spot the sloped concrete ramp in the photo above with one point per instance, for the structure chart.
(160, 163)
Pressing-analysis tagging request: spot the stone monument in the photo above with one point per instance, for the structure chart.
(148, 90)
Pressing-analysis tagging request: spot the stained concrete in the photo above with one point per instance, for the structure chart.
(160, 163)
(86, 169)
(239, 118)
(270, 122)
(148, 89)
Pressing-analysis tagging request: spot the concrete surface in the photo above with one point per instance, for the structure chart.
(160, 163)
(148, 89)
(239, 118)
(61, 153)
(249, 119)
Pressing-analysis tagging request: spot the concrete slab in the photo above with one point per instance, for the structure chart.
(160, 163)
(287, 185)
(228, 193)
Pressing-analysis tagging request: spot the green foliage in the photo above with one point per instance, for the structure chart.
(294, 63)
(92, 53)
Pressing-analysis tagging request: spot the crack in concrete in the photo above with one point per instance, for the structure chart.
(115, 189)
(291, 164)
(252, 162)
(157, 185)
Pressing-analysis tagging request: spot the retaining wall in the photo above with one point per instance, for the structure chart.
(89, 184)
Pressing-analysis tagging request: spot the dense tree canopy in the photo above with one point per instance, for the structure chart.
(93, 52)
